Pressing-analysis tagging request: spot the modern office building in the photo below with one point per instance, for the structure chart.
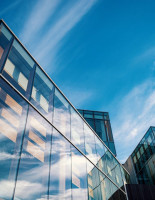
(100, 122)
(47, 149)
(141, 163)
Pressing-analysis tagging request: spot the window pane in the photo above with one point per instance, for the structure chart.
(100, 149)
(77, 130)
(98, 115)
(94, 187)
(42, 93)
(79, 176)
(88, 114)
(60, 172)
(13, 113)
(18, 67)
(90, 144)
(61, 118)
(33, 174)
(112, 147)
(113, 169)
(108, 129)
(91, 123)
(100, 128)
(5, 38)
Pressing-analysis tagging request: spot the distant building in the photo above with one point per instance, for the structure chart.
(100, 122)
(141, 163)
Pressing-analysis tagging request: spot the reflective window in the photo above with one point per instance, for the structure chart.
(113, 169)
(18, 67)
(77, 130)
(33, 174)
(100, 148)
(98, 115)
(100, 129)
(94, 186)
(79, 176)
(91, 123)
(5, 38)
(141, 150)
(42, 93)
(112, 147)
(134, 159)
(60, 171)
(13, 113)
(108, 129)
(61, 119)
(88, 114)
(90, 144)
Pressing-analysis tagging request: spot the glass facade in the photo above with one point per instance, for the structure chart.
(47, 150)
(143, 158)
(100, 122)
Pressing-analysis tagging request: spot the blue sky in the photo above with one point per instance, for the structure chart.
(100, 53)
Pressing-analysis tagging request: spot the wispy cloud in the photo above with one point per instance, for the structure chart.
(63, 25)
(42, 11)
(60, 22)
(11, 6)
(136, 112)
(77, 96)
(146, 57)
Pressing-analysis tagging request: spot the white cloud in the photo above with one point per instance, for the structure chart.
(45, 50)
(78, 97)
(63, 25)
(135, 116)
(38, 17)
(9, 7)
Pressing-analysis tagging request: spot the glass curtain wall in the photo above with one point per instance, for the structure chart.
(143, 158)
(29, 142)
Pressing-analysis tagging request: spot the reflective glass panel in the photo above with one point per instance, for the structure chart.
(112, 169)
(13, 113)
(77, 130)
(98, 115)
(5, 38)
(109, 190)
(90, 146)
(60, 170)
(100, 129)
(42, 93)
(112, 147)
(61, 119)
(100, 148)
(79, 176)
(18, 67)
(91, 123)
(94, 186)
(33, 174)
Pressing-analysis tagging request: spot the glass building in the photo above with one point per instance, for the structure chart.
(141, 163)
(47, 149)
(100, 122)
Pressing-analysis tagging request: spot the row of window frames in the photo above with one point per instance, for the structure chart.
(93, 115)
(147, 139)
(137, 154)
(14, 73)
(143, 158)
